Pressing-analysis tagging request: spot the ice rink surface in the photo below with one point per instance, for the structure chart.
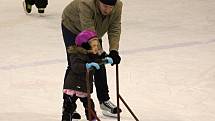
(167, 71)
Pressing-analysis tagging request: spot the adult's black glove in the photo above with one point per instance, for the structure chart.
(103, 55)
(115, 56)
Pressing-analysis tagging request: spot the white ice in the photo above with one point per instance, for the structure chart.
(167, 71)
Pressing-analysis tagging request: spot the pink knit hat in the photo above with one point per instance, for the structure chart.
(84, 37)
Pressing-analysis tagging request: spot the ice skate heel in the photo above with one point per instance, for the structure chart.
(27, 7)
(41, 10)
(76, 115)
(109, 109)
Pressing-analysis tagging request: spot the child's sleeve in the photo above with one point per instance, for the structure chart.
(77, 64)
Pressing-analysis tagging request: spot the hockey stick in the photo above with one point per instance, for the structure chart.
(117, 92)
(90, 112)
(119, 97)
(129, 109)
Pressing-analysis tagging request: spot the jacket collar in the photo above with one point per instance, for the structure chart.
(74, 49)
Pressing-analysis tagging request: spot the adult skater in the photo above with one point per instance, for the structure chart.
(101, 16)
(40, 4)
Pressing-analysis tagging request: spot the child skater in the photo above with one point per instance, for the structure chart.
(82, 56)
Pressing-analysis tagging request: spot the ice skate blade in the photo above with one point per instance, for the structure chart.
(76, 119)
(24, 7)
(42, 14)
(107, 113)
(82, 120)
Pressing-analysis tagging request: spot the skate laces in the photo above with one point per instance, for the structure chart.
(109, 104)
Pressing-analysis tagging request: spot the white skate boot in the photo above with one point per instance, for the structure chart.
(109, 109)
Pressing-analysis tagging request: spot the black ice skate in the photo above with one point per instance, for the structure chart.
(27, 7)
(41, 10)
(76, 115)
(66, 116)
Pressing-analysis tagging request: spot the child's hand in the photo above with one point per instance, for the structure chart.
(92, 64)
(109, 60)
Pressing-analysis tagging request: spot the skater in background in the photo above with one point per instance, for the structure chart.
(40, 4)
(83, 55)
(102, 16)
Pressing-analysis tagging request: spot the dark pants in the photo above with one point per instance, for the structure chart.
(99, 76)
(38, 3)
(69, 106)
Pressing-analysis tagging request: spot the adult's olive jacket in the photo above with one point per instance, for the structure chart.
(83, 14)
